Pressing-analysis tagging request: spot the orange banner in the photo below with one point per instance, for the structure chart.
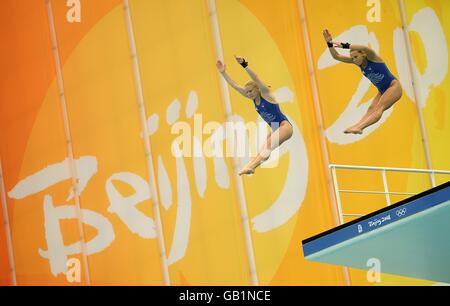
(289, 202)
(117, 107)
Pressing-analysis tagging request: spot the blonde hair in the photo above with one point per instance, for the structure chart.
(252, 83)
(360, 51)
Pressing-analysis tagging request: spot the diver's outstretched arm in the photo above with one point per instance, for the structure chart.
(334, 53)
(265, 90)
(222, 69)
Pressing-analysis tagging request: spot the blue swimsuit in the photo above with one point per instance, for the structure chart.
(271, 113)
(379, 75)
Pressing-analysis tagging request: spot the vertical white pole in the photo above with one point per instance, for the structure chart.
(415, 84)
(315, 92)
(386, 189)
(316, 100)
(147, 144)
(337, 192)
(7, 227)
(433, 181)
(73, 170)
(237, 178)
(341, 217)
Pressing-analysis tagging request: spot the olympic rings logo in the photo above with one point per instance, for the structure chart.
(401, 212)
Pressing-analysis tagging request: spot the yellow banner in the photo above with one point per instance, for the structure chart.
(429, 27)
(200, 212)
(135, 131)
(289, 202)
(345, 95)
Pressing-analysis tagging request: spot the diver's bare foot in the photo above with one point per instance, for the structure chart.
(247, 171)
(353, 130)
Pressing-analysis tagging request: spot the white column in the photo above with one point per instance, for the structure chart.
(7, 227)
(63, 105)
(417, 96)
(238, 180)
(335, 206)
(148, 150)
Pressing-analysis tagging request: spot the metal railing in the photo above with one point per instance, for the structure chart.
(386, 192)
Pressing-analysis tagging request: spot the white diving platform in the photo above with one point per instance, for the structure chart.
(410, 238)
